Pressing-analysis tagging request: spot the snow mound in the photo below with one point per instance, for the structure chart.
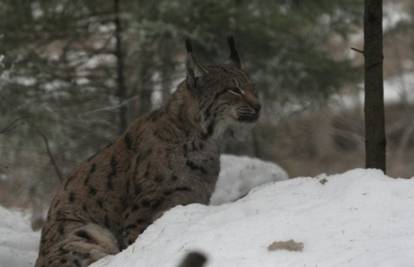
(18, 243)
(238, 175)
(358, 218)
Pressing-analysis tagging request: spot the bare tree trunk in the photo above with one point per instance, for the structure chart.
(145, 88)
(375, 142)
(48, 150)
(166, 69)
(121, 90)
(145, 83)
(165, 81)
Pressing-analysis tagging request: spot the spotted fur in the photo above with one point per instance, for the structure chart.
(166, 158)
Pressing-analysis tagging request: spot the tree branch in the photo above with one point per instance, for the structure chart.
(47, 146)
(13, 125)
(357, 50)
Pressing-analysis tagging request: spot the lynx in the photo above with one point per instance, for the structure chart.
(166, 158)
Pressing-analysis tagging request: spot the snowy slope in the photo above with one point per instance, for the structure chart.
(18, 243)
(359, 218)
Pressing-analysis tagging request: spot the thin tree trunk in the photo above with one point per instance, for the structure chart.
(165, 79)
(165, 75)
(375, 142)
(48, 150)
(145, 81)
(121, 90)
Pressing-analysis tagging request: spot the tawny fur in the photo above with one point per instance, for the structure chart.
(166, 158)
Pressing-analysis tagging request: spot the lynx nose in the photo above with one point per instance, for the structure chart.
(257, 107)
(249, 113)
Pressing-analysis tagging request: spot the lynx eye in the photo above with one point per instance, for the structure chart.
(235, 91)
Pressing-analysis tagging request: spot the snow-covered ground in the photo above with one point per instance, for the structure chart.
(238, 175)
(358, 218)
(18, 243)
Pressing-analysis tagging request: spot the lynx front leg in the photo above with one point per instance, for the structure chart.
(91, 242)
(133, 227)
(81, 247)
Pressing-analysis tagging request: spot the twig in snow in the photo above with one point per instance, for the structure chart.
(290, 245)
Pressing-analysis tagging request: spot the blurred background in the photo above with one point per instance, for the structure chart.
(74, 73)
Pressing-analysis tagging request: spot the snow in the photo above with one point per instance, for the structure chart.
(18, 243)
(358, 218)
(238, 175)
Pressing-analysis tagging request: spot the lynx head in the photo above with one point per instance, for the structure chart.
(224, 92)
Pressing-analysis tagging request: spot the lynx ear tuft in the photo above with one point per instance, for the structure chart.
(193, 67)
(234, 55)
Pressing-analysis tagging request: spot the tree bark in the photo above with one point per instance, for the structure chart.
(121, 90)
(375, 142)
(145, 83)
(166, 71)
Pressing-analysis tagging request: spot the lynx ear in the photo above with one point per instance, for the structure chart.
(194, 68)
(234, 55)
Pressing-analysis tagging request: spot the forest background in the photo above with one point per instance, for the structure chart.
(74, 73)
